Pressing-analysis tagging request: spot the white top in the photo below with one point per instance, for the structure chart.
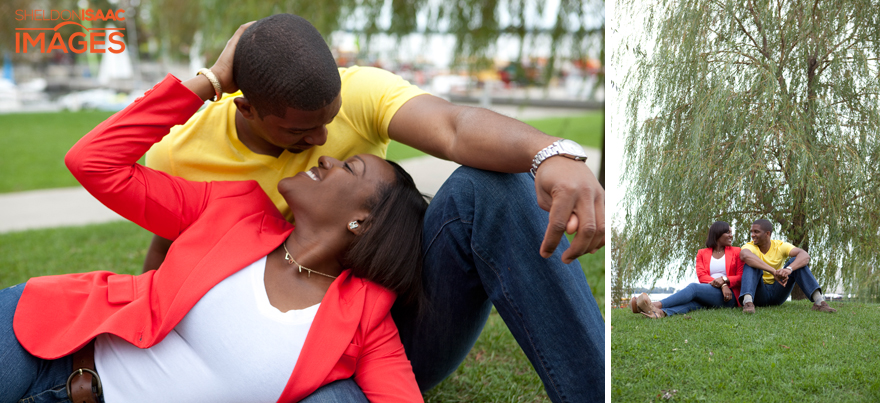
(233, 346)
(717, 267)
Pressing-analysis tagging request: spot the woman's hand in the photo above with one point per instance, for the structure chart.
(717, 282)
(223, 67)
(728, 295)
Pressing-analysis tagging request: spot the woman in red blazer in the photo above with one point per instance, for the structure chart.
(719, 270)
(358, 221)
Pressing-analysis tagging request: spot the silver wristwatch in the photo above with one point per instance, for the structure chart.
(562, 147)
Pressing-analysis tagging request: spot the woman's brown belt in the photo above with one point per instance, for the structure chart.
(84, 384)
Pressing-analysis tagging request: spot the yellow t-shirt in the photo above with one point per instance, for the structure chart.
(775, 256)
(207, 148)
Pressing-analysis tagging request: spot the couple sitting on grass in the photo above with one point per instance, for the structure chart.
(730, 276)
(401, 290)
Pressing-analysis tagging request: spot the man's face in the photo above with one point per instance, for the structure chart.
(297, 130)
(759, 236)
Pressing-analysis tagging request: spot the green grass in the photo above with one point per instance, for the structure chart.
(496, 370)
(781, 354)
(118, 247)
(585, 129)
(34, 144)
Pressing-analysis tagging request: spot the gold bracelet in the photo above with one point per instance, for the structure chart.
(218, 91)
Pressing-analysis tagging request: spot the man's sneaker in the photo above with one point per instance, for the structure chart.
(749, 307)
(823, 307)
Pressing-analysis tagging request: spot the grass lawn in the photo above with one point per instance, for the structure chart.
(781, 354)
(496, 370)
(35, 143)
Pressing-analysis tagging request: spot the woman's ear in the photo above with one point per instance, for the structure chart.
(356, 225)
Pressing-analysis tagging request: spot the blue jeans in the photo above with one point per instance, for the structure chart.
(695, 296)
(775, 294)
(482, 236)
(24, 377)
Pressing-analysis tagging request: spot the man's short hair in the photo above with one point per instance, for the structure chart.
(282, 61)
(765, 225)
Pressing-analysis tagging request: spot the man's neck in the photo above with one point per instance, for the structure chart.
(764, 247)
(246, 135)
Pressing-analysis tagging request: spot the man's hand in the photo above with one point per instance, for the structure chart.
(483, 139)
(717, 282)
(727, 293)
(222, 68)
(576, 202)
(781, 276)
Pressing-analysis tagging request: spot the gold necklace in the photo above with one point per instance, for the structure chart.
(301, 267)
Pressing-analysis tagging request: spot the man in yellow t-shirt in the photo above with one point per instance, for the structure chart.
(296, 105)
(207, 146)
(783, 266)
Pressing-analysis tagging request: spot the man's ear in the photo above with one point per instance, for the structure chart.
(245, 108)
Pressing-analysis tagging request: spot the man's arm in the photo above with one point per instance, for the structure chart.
(156, 253)
(483, 139)
(801, 259)
(751, 259)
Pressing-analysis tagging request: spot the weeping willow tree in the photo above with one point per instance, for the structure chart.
(738, 110)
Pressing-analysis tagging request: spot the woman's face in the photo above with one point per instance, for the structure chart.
(334, 192)
(726, 239)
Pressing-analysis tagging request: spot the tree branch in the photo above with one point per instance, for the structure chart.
(757, 21)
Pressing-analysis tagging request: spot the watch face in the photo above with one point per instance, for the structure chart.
(572, 148)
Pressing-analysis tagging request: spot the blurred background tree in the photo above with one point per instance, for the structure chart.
(739, 110)
(167, 29)
(551, 38)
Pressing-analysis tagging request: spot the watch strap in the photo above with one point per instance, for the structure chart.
(553, 149)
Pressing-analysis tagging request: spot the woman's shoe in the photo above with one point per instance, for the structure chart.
(654, 315)
(644, 303)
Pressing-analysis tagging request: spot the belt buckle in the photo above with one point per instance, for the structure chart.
(79, 372)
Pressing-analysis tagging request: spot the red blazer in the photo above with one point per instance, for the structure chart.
(732, 264)
(218, 228)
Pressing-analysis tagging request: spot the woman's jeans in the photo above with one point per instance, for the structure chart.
(483, 231)
(775, 294)
(695, 296)
(24, 377)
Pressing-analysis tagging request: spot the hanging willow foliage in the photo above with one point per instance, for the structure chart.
(738, 110)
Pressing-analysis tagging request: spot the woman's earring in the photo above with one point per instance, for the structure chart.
(353, 225)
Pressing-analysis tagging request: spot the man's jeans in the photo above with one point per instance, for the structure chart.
(24, 376)
(775, 294)
(483, 231)
(695, 296)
